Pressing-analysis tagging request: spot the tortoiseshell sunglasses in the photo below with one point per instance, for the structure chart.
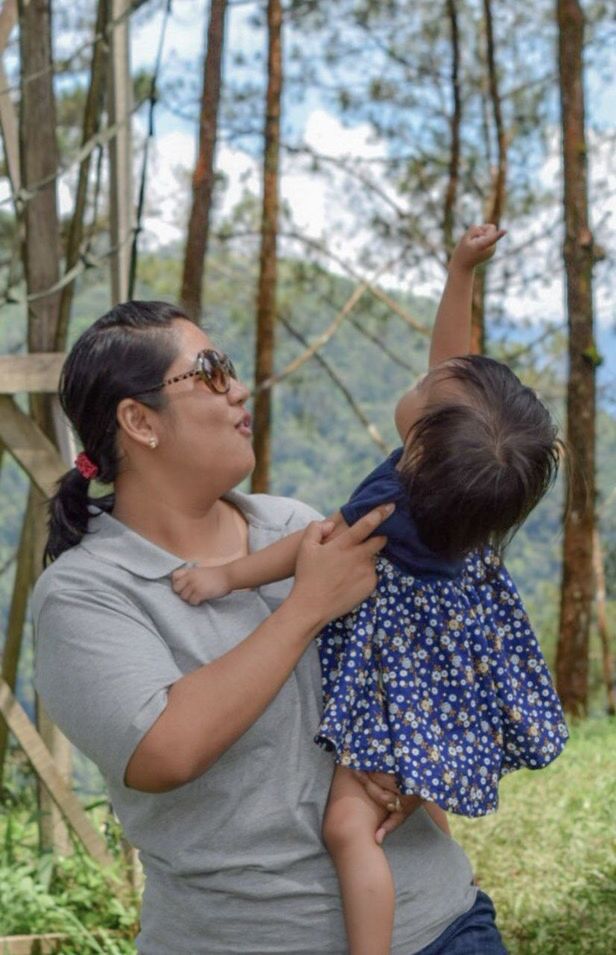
(215, 369)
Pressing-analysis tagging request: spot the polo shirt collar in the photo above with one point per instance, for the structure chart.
(115, 543)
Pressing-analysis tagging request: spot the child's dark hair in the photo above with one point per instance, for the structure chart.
(123, 354)
(476, 466)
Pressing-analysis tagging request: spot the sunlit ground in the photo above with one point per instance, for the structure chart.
(548, 857)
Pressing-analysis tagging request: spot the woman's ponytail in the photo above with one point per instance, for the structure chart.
(68, 514)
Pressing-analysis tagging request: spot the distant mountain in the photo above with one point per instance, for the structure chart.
(320, 449)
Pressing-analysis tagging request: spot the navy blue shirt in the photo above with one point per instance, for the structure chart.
(404, 546)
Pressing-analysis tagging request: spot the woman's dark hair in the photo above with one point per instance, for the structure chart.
(476, 466)
(124, 353)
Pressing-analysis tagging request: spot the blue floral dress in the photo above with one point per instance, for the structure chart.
(437, 677)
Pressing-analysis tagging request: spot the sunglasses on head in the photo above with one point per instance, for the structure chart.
(214, 369)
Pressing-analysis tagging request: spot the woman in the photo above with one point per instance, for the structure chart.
(201, 719)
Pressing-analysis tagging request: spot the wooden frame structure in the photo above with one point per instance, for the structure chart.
(43, 464)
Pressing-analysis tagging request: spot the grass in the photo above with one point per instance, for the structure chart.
(548, 857)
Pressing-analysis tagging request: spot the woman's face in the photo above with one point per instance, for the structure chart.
(205, 434)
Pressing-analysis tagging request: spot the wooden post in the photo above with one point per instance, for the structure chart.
(17, 616)
(46, 768)
(121, 215)
(39, 458)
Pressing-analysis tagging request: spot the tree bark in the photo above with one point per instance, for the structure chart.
(455, 123)
(39, 160)
(577, 576)
(203, 176)
(495, 206)
(266, 295)
(91, 124)
(120, 105)
(500, 173)
(607, 657)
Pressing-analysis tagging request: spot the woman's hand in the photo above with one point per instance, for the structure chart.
(334, 574)
(382, 789)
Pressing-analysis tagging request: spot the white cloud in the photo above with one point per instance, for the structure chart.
(318, 203)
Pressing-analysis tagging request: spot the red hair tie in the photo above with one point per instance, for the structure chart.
(85, 466)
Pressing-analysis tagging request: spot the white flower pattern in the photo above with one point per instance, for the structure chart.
(440, 681)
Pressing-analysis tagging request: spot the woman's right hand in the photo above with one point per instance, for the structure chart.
(334, 574)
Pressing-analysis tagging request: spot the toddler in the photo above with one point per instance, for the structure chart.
(436, 681)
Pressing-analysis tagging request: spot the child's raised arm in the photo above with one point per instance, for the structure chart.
(451, 335)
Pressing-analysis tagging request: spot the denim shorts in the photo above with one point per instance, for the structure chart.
(474, 933)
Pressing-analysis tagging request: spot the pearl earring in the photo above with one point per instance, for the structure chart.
(153, 442)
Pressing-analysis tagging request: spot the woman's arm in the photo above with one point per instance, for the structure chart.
(210, 708)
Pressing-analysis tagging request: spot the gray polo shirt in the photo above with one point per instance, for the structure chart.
(234, 861)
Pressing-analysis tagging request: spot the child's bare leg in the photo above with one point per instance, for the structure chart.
(366, 882)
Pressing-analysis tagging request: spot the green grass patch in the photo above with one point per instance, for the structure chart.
(548, 856)
(41, 894)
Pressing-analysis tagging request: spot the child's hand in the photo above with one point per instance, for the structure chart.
(196, 584)
(477, 245)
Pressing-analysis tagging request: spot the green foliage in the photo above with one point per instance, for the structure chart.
(71, 895)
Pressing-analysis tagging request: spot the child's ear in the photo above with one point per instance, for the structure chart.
(407, 412)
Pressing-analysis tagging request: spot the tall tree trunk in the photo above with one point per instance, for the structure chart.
(266, 296)
(91, 124)
(203, 176)
(120, 105)
(39, 160)
(500, 173)
(607, 657)
(455, 123)
(495, 206)
(577, 579)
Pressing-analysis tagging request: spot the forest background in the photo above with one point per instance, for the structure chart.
(401, 124)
